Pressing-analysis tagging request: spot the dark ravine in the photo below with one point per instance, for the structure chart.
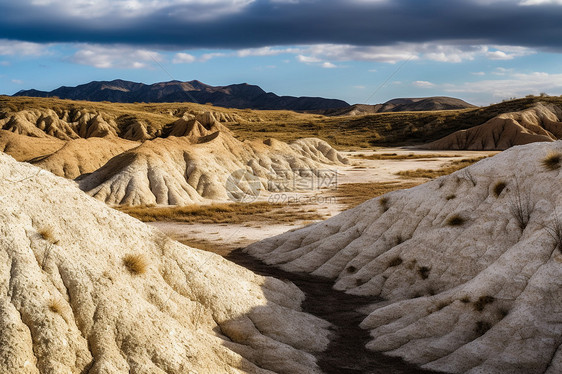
(346, 353)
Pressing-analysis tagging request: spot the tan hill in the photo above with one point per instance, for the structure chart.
(538, 124)
(436, 103)
(197, 165)
(82, 156)
(85, 288)
(470, 265)
(24, 148)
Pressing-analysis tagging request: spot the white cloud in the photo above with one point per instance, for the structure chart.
(423, 84)
(191, 9)
(209, 56)
(183, 58)
(17, 81)
(514, 85)
(308, 59)
(106, 57)
(18, 48)
(267, 51)
(478, 73)
(540, 2)
(328, 65)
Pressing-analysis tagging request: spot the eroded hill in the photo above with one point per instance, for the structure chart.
(470, 264)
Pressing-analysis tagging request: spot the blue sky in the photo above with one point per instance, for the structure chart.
(361, 51)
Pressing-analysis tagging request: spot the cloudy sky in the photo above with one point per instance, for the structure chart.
(361, 51)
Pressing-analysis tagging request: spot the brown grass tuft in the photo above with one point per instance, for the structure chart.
(47, 234)
(396, 261)
(455, 220)
(136, 263)
(498, 188)
(423, 271)
(56, 306)
(482, 301)
(552, 160)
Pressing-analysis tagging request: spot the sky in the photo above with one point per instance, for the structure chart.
(360, 51)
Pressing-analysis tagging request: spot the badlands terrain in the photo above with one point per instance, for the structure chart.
(394, 242)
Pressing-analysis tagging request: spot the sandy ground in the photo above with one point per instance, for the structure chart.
(225, 237)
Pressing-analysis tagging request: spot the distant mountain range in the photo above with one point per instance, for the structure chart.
(239, 96)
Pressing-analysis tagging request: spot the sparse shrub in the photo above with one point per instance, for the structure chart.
(498, 188)
(554, 230)
(56, 306)
(135, 263)
(396, 261)
(482, 327)
(482, 301)
(47, 234)
(503, 312)
(520, 206)
(442, 305)
(451, 197)
(465, 300)
(383, 202)
(455, 220)
(399, 240)
(351, 269)
(552, 160)
(469, 177)
(424, 271)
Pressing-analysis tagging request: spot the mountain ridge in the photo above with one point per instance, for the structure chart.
(240, 96)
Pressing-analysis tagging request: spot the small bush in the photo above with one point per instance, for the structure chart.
(383, 202)
(552, 160)
(455, 220)
(451, 197)
(482, 327)
(351, 269)
(396, 261)
(520, 206)
(554, 230)
(56, 306)
(465, 300)
(503, 312)
(498, 188)
(423, 271)
(482, 301)
(135, 263)
(47, 234)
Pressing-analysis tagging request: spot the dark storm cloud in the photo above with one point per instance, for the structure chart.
(266, 23)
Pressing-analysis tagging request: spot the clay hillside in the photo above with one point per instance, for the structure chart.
(157, 158)
(470, 265)
(232, 96)
(541, 123)
(87, 289)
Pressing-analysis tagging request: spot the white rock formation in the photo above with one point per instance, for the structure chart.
(471, 270)
(196, 164)
(70, 304)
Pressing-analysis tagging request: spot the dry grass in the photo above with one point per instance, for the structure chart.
(396, 261)
(56, 306)
(403, 156)
(449, 168)
(47, 233)
(222, 213)
(482, 301)
(498, 188)
(353, 194)
(136, 264)
(455, 220)
(552, 161)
